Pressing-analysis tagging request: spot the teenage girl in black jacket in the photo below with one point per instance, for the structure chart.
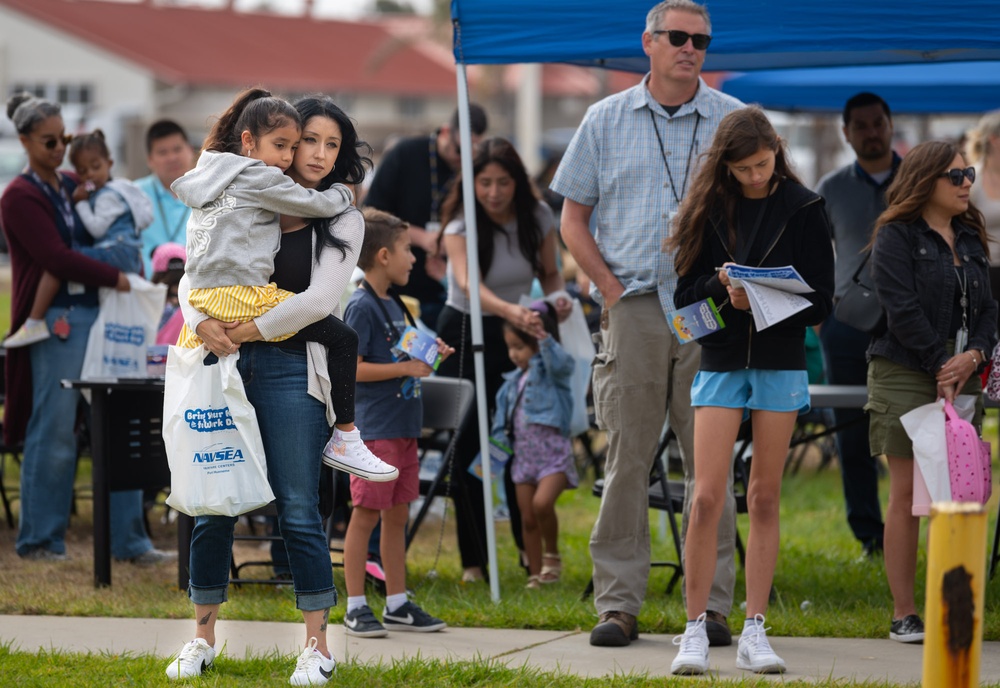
(746, 207)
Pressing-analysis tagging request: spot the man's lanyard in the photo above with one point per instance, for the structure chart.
(437, 192)
(663, 154)
(171, 233)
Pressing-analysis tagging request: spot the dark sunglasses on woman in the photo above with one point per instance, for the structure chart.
(677, 39)
(956, 175)
(66, 139)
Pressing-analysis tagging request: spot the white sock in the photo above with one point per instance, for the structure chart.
(343, 436)
(34, 321)
(356, 603)
(749, 625)
(394, 602)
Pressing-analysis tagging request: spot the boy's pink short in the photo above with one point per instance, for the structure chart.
(401, 453)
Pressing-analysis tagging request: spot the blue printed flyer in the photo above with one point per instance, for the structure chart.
(419, 346)
(697, 320)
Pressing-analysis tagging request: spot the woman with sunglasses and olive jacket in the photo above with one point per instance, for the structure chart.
(41, 227)
(930, 266)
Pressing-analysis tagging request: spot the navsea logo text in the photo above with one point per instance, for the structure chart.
(219, 453)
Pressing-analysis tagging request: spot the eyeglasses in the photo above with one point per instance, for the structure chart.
(957, 176)
(677, 39)
(51, 144)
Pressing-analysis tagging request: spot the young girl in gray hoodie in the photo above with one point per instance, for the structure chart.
(236, 193)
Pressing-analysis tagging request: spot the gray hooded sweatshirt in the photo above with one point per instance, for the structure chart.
(233, 233)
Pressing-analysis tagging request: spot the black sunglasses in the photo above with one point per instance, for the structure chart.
(956, 175)
(677, 39)
(53, 142)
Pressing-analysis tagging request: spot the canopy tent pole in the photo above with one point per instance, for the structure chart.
(476, 316)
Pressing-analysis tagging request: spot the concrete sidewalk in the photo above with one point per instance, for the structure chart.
(563, 652)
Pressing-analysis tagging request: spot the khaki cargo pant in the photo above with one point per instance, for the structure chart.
(640, 371)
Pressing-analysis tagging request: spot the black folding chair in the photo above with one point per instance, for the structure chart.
(446, 400)
(668, 495)
(663, 494)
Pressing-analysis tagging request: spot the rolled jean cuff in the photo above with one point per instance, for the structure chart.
(216, 595)
(316, 601)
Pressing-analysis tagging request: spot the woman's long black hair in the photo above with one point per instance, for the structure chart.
(353, 163)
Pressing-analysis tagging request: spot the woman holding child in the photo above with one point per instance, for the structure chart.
(516, 244)
(745, 207)
(930, 266)
(41, 226)
(284, 382)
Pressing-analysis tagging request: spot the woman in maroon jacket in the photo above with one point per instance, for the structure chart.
(41, 226)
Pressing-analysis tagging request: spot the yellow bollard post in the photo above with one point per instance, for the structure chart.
(956, 573)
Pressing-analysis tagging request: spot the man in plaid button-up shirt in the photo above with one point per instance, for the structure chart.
(632, 158)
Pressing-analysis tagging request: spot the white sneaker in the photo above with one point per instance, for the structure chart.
(692, 658)
(193, 659)
(755, 653)
(312, 668)
(346, 451)
(30, 332)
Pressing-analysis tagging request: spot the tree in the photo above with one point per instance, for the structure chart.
(394, 7)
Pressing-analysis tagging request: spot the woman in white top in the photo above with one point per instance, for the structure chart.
(517, 243)
(983, 152)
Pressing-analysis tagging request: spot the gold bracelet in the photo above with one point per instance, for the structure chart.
(974, 359)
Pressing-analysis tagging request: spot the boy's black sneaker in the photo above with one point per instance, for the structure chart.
(410, 617)
(909, 629)
(362, 623)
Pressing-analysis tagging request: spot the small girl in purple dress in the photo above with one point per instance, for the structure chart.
(534, 407)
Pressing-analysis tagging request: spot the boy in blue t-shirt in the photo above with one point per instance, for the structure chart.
(390, 411)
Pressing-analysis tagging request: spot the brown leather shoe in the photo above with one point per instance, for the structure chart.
(614, 629)
(717, 629)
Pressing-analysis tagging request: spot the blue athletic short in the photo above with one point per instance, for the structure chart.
(755, 390)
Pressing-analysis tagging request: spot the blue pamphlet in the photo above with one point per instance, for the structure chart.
(697, 320)
(419, 346)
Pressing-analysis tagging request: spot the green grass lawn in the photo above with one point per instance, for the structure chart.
(4, 308)
(99, 671)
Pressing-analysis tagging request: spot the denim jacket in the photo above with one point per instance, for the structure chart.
(912, 268)
(547, 398)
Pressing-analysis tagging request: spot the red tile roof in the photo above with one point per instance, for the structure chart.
(223, 48)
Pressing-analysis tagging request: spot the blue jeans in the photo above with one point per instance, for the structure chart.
(49, 466)
(844, 352)
(294, 429)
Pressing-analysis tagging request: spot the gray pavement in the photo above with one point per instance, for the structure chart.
(567, 652)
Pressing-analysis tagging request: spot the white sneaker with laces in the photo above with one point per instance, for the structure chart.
(692, 657)
(755, 653)
(347, 452)
(30, 332)
(312, 668)
(193, 659)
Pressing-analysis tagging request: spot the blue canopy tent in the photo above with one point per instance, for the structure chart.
(747, 35)
(947, 87)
